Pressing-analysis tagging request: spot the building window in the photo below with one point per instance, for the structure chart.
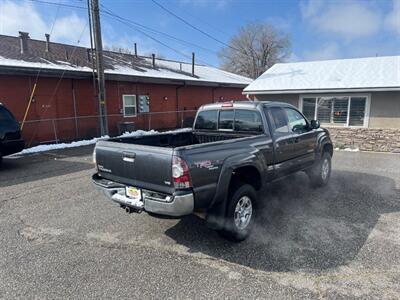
(357, 111)
(337, 110)
(129, 102)
(309, 108)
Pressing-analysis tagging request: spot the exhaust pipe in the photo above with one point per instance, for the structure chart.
(130, 210)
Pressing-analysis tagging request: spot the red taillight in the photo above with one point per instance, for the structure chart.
(180, 173)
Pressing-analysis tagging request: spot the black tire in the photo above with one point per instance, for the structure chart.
(319, 175)
(232, 230)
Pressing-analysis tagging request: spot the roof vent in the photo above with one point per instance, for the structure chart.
(23, 38)
(135, 49)
(153, 56)
(47, 42)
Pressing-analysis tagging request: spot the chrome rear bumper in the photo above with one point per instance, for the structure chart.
(176, 206)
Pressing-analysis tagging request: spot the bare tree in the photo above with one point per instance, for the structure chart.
(118, 49)
(255, 49)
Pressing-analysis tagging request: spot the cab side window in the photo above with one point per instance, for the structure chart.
(248, 121)
(279, 121)
(297, 123)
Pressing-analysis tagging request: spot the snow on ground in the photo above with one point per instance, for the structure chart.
(49, 147)
(348, 149)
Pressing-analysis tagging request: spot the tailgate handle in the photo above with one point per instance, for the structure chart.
(128, 156)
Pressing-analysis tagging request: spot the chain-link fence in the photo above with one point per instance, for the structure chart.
(86, 127)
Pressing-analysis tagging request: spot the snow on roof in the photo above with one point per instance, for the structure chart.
(361, 74)
(179, 70)
(164, 70)
(115, 63)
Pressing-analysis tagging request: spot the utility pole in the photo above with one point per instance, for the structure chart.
(98, 44)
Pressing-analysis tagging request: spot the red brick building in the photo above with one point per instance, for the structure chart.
(152, 93)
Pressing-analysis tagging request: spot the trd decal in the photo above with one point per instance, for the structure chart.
(205, 164)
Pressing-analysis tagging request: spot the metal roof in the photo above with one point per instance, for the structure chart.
(358, 74)
(75, 62)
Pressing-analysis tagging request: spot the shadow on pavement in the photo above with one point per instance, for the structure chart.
(299, 228)
(16, 170)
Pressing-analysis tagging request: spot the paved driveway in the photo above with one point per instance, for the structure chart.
(60, 238)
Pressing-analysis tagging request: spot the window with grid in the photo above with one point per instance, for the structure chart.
(129, 102)
(336, 110)
(309, 108)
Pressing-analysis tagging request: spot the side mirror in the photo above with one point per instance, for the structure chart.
(315, 124)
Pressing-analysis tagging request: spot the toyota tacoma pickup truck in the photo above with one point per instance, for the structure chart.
(216, 169)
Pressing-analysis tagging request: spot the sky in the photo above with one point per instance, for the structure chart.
(317, 29)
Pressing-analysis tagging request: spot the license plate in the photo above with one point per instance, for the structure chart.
(133, 193)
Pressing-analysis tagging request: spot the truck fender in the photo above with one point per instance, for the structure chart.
(322, 141)
(217, 209)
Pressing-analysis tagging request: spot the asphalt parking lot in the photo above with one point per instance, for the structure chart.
(60, 238)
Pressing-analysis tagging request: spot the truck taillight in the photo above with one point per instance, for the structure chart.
(180, 173)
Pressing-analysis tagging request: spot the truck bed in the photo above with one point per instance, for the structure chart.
(178, 139)
(132, 160)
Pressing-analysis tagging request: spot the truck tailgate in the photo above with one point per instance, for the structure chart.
(136, 165)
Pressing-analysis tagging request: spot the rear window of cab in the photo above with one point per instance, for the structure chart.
(240, 120)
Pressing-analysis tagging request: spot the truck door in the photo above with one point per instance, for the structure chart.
(304, 138)
(283, 141)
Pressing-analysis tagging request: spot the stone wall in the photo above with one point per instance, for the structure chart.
(366, 139)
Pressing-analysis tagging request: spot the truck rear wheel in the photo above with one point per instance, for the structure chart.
(240, 213)
(321, 172)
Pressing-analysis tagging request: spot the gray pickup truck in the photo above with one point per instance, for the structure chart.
(216, 168)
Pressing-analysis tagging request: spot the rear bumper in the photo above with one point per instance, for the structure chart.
(11, 147)
(179, 205)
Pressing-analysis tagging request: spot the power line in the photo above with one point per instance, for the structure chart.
(153, 38)
(115, 16)
(122, 19)
(38, 73)
(60, 79)
(58, 4)
(128, 23)
(211, 26)
(110, 13)
(135, 25)
(192, 26)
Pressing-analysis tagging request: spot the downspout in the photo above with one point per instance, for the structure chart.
(177, 105)
(212, 93)
(75, 114)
